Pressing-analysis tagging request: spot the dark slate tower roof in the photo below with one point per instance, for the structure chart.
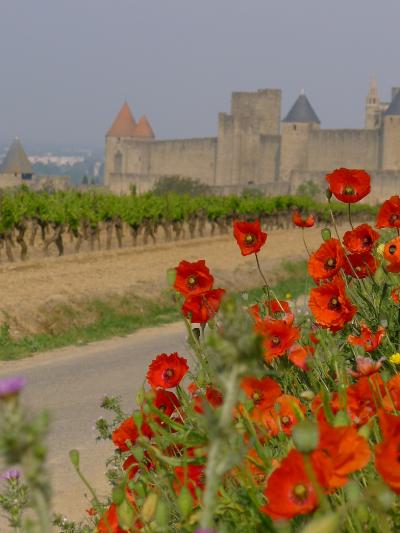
(302, 111)
(16, 161)
(394, 107)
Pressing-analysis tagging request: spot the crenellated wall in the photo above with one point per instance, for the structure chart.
(329, 149)
(254, 148)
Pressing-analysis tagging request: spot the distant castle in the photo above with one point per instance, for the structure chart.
(255, 148)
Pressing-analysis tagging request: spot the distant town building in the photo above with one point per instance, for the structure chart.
(16, 169)
(254, 146)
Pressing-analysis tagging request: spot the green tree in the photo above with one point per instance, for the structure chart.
(180, 185)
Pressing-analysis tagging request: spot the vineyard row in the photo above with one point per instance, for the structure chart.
(30, 218)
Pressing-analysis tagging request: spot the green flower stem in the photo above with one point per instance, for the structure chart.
(267, 287)
(42, 510)
(304, 242)
(212, 477)
(322, 500)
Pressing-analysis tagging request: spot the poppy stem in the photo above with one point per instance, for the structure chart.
(214, 453)
(349, 213)
(304, 242)
(308, 467)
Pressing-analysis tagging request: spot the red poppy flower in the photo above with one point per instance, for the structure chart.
(361, 239)
(193, 278)
(387, 459)
(365, 366)
(274, 306)
(389, 213)
(346, 451)
(283, 416)
(364, 397)
(212, 395)
(391, 395)
(249, 236)
(299, 355)
(327, 260)
(127, 431)
(395, 293)
(389, 424)
(165, 401)
(166, 371)
(330, 306)
(110, 520)
(289, 490)
(193, 476)
(349, 185)
(306, 222)
(368, 340)
(391, 253)
(360, 265)
(202, 307)
(278, 337)
(263, 392)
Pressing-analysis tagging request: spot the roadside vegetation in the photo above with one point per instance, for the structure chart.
(121, 315)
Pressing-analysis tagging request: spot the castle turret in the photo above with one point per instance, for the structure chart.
(16, 162)
(391, 135)
(143, 130)
(296, 128)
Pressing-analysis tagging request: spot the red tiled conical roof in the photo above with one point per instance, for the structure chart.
(143, 129)
(124, 125)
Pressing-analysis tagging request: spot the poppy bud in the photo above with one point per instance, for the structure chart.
(328, 193)
(149, 507)
(353, 492)
(185, 502)
(138, 452)
(365, 431)
(162, 514)
(171, 276)
(341, 419)
(326, 234)
(384, 496)
(74, 457)
(328, 523)
(307, 395)
(140, 397)
(118, 495)
(305, 436)
(125, 515)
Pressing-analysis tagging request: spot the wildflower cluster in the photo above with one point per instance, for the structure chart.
(281, 422)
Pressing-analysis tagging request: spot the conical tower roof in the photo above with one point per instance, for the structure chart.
(124, 124)
(16, 161)
(394, 107)
(302, 111)
(143, 129)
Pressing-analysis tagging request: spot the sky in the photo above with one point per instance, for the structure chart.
(66, 66)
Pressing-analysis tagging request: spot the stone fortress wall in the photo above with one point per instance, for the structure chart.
(254, 147)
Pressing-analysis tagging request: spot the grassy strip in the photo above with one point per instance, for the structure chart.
(119, 316)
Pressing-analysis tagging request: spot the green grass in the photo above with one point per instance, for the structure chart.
(121, 315)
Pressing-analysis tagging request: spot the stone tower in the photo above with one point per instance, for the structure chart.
(126, 153)
(391, 134)
(373, 111)
(253, 123)
(296, 128)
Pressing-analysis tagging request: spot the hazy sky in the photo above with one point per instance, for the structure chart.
(66, 66)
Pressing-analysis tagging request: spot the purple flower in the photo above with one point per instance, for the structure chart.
(204, 531)
(10, 386)
(11, 474)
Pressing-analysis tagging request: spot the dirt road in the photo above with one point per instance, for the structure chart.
(31, 289)
(70, 383)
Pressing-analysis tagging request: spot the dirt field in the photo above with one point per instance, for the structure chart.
(35, 286)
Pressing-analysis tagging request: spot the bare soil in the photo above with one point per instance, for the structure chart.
(31, 289)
